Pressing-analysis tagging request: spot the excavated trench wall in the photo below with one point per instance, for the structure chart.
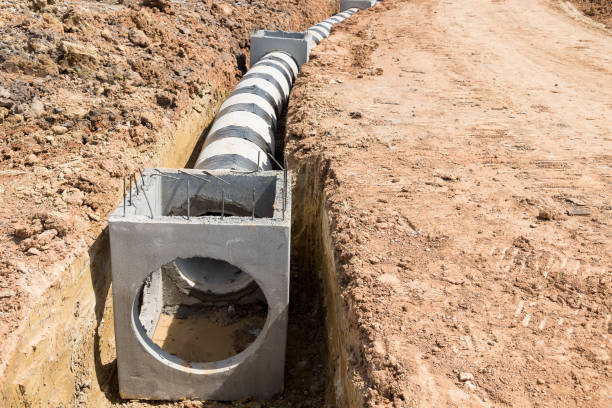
(311, 235)
(53, 365)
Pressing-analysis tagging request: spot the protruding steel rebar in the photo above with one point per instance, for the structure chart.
(130, 177)
(142, 178)
(218, 178)
(275, 161)
(193, 175)
(164, 175)
(188, 201)
(147, 199)
(135, 183)
(284, 203)
(253, 214)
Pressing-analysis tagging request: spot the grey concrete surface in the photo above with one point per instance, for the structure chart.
(148, 236)
(152, 302)
(360, 4)
(297, 45)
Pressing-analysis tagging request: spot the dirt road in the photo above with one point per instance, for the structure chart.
(465, 147)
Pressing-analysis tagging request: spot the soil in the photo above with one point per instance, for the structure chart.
(462, 149)
(91, 91)
(598, 10)
(453, 192)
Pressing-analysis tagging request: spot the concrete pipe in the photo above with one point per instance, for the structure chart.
(243, 132)
(241, 137)
(323, 29)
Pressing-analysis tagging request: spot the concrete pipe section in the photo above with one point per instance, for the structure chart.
(241, 139)
(243, 132)
(323, 29)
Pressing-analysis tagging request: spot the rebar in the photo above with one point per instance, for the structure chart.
(253, 214)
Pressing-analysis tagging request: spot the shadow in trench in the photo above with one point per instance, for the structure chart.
(100, 269)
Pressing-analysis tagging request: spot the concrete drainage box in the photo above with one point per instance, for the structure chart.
(297, 45)
(360, 4)
(240, 220)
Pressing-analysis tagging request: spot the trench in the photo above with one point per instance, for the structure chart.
(67, 355)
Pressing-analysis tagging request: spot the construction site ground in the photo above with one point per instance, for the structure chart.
(460, 150)
(466, 149)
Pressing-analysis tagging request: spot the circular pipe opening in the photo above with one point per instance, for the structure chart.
(193, 325)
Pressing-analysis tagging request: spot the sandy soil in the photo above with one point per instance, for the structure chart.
(466, 149)
(91, 91)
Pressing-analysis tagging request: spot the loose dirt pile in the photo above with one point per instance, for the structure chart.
(463, 152)
(89, 92)
(598, 10)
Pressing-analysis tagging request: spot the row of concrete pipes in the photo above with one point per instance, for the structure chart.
(242, 136)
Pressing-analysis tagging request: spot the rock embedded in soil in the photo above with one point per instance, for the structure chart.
(59, 130)
(463, 376)
(7, 293)
(546, 214)
(138, 37)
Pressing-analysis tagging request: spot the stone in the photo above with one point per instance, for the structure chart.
(53, 22)
(162, 5)
(546, 214)
(78, 53)
(164, 99)
(224, 9)
(73, 196)
(7, 293)
(37, 107)
(149, 120)
(39, 5)
(139, 38)
(580, 212)
(31, 159)
(33, 251)
(466, 377)
(45, 237)
(59, 130)
(46, 66)
(22, 231)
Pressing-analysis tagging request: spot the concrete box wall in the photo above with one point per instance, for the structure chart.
(360, 4)
(141, 244)
(297, 45)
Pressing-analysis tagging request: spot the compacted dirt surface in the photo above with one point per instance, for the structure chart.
(465, 151)
(91, 91)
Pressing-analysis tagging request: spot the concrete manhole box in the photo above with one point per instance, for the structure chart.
(242, 219)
